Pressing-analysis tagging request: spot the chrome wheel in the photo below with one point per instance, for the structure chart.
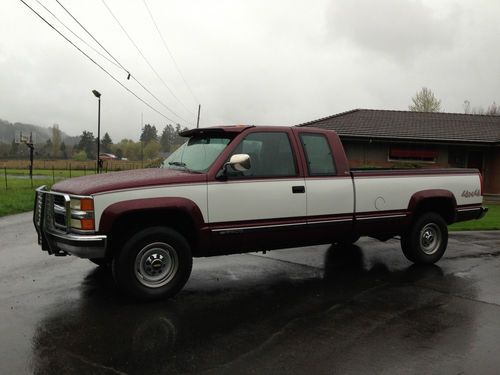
(156, 265)
(430, 238)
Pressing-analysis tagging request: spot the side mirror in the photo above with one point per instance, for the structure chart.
(240, 162)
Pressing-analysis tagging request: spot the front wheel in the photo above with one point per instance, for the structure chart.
(154, 263)
(426, 240)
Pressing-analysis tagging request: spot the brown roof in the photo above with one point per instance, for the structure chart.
(430, 126)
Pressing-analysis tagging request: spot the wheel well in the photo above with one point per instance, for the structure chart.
(130, 223)
(442, 206)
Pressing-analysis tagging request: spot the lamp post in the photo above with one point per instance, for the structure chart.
(98, 96)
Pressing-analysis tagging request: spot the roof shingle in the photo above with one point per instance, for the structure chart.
(431, 126)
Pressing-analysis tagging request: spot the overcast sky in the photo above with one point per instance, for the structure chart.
(247, 62)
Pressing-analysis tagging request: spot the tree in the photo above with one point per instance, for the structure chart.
(149, 134)
(56, 140)
(80, 156)
(87, 143)
(425, 101)
(492, 110)
(14, 148)
(64, 151)
(106, 143)
(151, 150)
(127, 148)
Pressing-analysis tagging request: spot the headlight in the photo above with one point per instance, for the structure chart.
(82, 213)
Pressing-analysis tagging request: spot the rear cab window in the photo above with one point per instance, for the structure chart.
(318, 153)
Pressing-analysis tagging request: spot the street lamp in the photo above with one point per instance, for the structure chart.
(98, 96)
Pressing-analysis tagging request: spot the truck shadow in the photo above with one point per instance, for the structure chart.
(203, 327)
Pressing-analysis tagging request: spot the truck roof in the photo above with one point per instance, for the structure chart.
(215, 129)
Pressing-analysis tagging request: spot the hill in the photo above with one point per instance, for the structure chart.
(8, 131)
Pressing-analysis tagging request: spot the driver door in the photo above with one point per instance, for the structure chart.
(260, 208)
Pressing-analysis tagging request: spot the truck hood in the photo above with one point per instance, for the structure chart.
(93, 184)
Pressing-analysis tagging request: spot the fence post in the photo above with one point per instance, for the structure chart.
(85, 170)
(69, 170)
(53, 176)
(5, 170)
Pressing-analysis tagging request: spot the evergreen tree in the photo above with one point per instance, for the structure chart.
(149, 133)
(106, 143)
(87, 143)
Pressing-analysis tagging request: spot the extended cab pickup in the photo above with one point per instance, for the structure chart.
(238, 189)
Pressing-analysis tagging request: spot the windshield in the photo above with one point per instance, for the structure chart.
(198, 153)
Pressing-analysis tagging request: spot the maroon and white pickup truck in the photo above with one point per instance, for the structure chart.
(236, 189)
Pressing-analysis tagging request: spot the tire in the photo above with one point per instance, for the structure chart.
(426, 240)
(101, 262)
(154, 263)
(350, 240)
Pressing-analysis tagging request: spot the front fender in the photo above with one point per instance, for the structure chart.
(115, 210)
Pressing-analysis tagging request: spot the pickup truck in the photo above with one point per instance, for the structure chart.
(235, 189)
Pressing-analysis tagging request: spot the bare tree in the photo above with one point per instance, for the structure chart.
(492, 110)
(425, 101)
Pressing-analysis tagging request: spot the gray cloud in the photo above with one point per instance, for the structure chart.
(261, 62)
(399, 29)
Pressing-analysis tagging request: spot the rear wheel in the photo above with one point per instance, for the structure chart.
(426, 240)
(154, 263)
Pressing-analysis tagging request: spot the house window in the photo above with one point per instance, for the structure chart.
(413, 154)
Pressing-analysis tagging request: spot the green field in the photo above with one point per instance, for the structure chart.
(20, 196)
(490, 222)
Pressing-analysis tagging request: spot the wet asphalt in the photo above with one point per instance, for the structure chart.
(362, 309)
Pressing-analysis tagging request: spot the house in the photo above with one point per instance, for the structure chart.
(384, 138)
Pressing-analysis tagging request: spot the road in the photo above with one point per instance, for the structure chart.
(323, 309)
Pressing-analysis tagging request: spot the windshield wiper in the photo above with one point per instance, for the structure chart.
(182, 165)
(178, 164)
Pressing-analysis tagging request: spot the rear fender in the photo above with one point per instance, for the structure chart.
(438, 200)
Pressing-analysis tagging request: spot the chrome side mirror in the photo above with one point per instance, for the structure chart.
(240, 162)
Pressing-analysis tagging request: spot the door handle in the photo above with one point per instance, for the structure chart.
(298, 189)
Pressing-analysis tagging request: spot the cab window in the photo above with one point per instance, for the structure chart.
(270, 154)
(318, 155)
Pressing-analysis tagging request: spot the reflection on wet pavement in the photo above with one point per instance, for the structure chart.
(323, 309)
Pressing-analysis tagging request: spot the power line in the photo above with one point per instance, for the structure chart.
(169, 52)
(90, 58)
(144, 57)
(88, 32)
(76, 35)
(129, 75)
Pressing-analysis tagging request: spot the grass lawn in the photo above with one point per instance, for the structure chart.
(20, 196)
(489, 222)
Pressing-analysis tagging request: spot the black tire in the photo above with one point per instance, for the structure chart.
(426, 240)
(154, 263)
(101, 262)
(349, 240)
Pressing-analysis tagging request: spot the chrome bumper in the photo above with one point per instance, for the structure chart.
(77, 245)
(55, 236)
(482, 213)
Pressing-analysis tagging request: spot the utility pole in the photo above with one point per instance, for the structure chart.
(31, 146)
(198, 122)
(97, 94)
(142, 142)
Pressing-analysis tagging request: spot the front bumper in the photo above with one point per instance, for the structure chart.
(77, 245)
(55, 234)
